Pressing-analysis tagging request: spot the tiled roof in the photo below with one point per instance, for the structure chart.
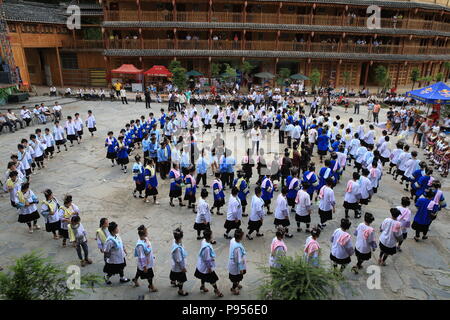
(366, 3)
(270, 54)
(25, 11)
(268, 26)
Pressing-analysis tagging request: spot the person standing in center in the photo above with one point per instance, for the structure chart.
(256, 214)
(234, 213)
(327, 204)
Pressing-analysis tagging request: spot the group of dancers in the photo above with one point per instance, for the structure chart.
(171, 146)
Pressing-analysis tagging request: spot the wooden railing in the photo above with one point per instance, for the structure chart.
(83, 44)
(272, 18)
(259, 46)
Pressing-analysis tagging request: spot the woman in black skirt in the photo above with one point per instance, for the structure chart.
(49, 210)
(145, 259)
(27, 205)
(178, 271)
(391, 234)
(341, 245)
(206, 265)
(115, 253)
(365, 242)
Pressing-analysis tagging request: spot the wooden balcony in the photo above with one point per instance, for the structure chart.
(163, 44)
(272, 18)
(83, 44)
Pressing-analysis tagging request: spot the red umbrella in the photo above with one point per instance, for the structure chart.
(158, 71)
(127, 69)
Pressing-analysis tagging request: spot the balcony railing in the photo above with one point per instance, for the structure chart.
(83, 44)
(260, 46)
(272, 18)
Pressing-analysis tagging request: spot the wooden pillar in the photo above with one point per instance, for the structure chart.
(279, 13)
(138, 3)
(209, 39)
(175, 38)
(366, 74)
(397, 75)
(338, 73)
(174, 11)
(58, 59)
(278, 40)
(141, 38)
(209, 10)
(311, 14)
(243, 39)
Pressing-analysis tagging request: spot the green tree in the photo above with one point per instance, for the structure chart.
(346, 75)
(314, 77)
(447, 69)
(179, 78)
(296, 279)
(381, 77)
(215, 69)
(283, 74)
(230, 72)
(439, 77)
(414, 76)
(246, 67)
(34, 277)
(426, 80)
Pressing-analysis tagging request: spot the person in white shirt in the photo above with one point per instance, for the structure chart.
(70, 130)
(391, 234)
(384, 149)
(25, 114)
(203, 218)
(234, 213)
(58, 134)
(410, 167)
(57, 111)
(405, 219)
(327, 204)
(256, 214)
(282, 212)
(78, 123)
(352, 196)
(52, 91)
(255, 134)
(394, 157)
(123, 96)
(178, 270)
(402, 159)
(303, 207)
(237, 265)
(90, 123)
(341, 245)
(365, 241)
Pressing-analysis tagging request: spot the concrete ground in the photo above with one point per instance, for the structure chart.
(421, 271)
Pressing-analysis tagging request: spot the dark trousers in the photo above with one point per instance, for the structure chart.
(356, 109)
(280, 136)
(202, 177)
(147, 104)
(84, 246)
(124, 100)
(375, 117)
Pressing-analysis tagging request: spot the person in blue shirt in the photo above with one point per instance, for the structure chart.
(322, 144)
(145, 147)
(176, 181)
(202, 169)
(422, 183)
(241, 184)
(293, 185)
(153, 149)
(111, 144)
(223, 169)
(325, 173)
(185, 161)
(162, 119)
(122, 154)
(151, 182)
(426, 213)
(230, 163)
(191, 188)
(163, 160)
(138, 177)
(417, 174)
(310, 178)
(267, 192)
(155, 132)
(336, 143)
(219, 196)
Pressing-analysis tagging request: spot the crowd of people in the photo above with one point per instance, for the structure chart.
(168, 148)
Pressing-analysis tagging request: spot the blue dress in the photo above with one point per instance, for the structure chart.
(423, 217)
(311, 181)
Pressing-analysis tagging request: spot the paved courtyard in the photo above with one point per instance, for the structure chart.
(421, 271)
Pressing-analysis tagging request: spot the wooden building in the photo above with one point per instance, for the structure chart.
(329, 35)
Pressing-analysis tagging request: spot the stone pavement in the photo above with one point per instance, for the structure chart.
(421, 271)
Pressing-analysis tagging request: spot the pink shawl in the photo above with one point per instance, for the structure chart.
(349, 186)
(293, 181)
(367, 232)
(277, 243)
(321, 192)
(311, 246)
(193, 182)
(176, 173)
(344, 238)
(219, 183)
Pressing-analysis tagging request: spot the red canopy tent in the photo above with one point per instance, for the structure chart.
(158, 71)
(127, 69)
